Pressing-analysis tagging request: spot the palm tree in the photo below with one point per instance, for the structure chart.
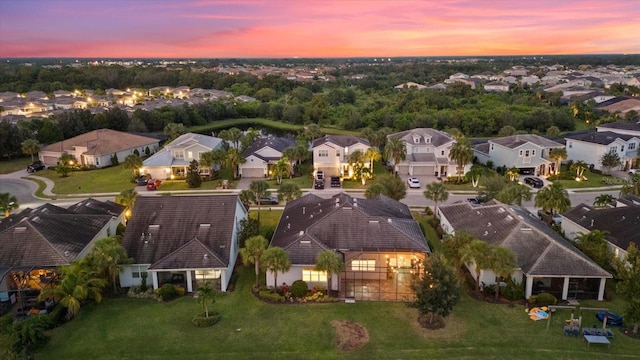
(395, 150)
(513, 173)
(133, 162)
(579, 167)
(454, 246)
(275, 259)
(474, 174)
(206, 296)
(289, 192)
(127, 198)
(603, 200)
(254, 248)
(250, 136)
(65, 163)
(247, 197)
(107, 258)
(356, 161)
(477, 252)
(437, 192)
(260, 189)
(502, 261)
(235, 135)
(631, 186)
(290, 154)
(553, 198)
(280, 168)
(8, 202)
(30, 147)
(234, 158)
(78, 285)
(557, 155)
(373, 155)
(462, 154)
(330, 262)
(514, 193)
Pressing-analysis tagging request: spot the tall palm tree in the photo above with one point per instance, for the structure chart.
(579, 167)
(437, 192)
(281, 168)
(631, 186)
(78, 285)
(557, 155)
(276, 260)
(247, 197)
(513, 173)
(502, 261)
(330, 262)
(290, 154)
(206, 296)
(603, 200)
(107, 258)
(356, 161)
(259, 188)
(514, 193)
(454, 246)
(289, 192)
(476, 252)
(30, 147)
(462, 154)
(553, 198)
(235, 136)
(127, 198)
(235, 158)
(373, 155)
(396, 151)
(8, 202)
(133, 162)
(254, 248)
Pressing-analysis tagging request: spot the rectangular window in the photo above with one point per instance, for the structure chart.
(137, 271)
(363, 265)
(570, 145)
(526, 153)
(323, 153)
(190, 154)
(622, 148)
(97, 161)
(313, 275)
(179, 154)
(520, 153)
(533, 152)
(491, 146)
(613, 149)
(338, 153)
(442, 153)
(631, 146)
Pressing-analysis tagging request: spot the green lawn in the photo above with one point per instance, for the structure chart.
(593, 180)
(303, 182)
(9, 166)
(251, 329)
(111, 179)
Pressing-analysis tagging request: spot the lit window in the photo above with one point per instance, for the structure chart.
(323, 153)
(363, 265)
(313, 275)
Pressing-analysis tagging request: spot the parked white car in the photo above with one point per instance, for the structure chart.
(634, 171)
(414, 183)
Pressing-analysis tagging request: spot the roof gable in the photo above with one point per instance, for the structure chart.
(101, 142)
(515, 141)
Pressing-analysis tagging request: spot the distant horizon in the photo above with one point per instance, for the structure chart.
(280, 29)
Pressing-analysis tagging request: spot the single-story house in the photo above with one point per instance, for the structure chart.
(378, 240)
(173, 160)
(621, 223)
(262, 155)
(184, 240)
(36, 242)
(547, 262)
(96, 148)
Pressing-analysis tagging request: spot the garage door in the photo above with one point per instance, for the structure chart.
(424, 170)
(403, 169)
(252, 173)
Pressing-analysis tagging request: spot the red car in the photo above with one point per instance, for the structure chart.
(153, 184)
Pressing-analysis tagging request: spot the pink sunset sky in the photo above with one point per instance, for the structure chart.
(348, 28)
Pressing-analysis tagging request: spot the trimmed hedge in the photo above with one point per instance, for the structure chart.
(201, 321)
(299, 288)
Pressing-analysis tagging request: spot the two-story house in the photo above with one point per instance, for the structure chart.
(262, 155)
(527, 152)
(173, 160)
(590, 147)
(427, 152)
(331, 154)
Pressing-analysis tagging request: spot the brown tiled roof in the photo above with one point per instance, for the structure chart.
(539, 250)
(172, 232)
(311, 224)
(101, 142)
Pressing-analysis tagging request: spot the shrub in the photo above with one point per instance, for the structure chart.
(201, 321)
(57, 316)
(169, 292)
(137, 293)
(271, 296)
(513, 291)
(143, 282)
(6, 322)
(319, 288)
(489, 164)
(299, 288)
(489, 290)
(428, 211)
(546, 299)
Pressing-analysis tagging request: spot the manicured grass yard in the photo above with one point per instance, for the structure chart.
(9, 166)
(111, 179)
(251, 329)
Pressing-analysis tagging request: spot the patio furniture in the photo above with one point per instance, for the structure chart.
(595, 339)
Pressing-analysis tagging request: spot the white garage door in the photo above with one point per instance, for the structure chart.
(403, 169)
(252, 173)
(424, 170)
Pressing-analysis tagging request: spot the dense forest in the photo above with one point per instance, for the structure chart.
(346, 103)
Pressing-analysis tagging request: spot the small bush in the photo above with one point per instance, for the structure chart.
(546, 299)
(428, 211)
(513, 291)
(57, 316)
(201, 321)
(169, 292)
(319, 288)
(489, 290)
(299, 288)
(6, 322)
(137, 293)
(271, 296)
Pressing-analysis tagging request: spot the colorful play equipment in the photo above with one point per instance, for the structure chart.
(538, 313)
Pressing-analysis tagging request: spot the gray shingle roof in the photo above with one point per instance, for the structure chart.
(340, 140)
(601, 137)
(538, 249)
(515, 141)
(311, 224)
(622, 125)
(96, 207)
(172, 232)
(276, 143)
(438, 138)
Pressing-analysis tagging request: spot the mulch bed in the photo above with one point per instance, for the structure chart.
(350, 336)
(425, 321)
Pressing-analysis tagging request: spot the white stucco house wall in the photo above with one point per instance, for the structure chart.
(331, 154)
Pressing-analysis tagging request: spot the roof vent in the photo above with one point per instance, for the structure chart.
(311, 216)
(19, 229)
(305, 242)
(205, 226)
(486, 233)
(205, 256)
(501, 210)
(592, 220)
(66, 254)
(348, 207)
(223, 246)
(586, 208)
(489, 224)
(301, 232)
(289, 226)
(509, 217)
(304, 210)
(526, 229)
(478, 212)
(374, 222)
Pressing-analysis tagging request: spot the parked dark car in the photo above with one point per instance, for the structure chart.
(153, 184)
(318, 184)
(142, 180)
(35, 166)
(475, 200)
(534, 182)
(269, 200)
(335, 181)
